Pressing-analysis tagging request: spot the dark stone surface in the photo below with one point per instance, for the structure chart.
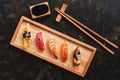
(103, 16)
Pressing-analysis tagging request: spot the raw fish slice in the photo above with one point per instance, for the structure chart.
(40, 40)
(64, 51)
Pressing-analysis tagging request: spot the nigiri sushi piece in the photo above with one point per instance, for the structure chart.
(26, 35)
(64, 51)
(52, 46)
(40, 41)
(77, 57)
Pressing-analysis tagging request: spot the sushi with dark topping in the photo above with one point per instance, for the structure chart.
(77, 56)
(26, 35)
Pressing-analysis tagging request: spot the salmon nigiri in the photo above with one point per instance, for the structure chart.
(52, 46)
(40, 41)
(64, 51)
(26, 35)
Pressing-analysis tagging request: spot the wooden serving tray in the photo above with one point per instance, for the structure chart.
(87, 51)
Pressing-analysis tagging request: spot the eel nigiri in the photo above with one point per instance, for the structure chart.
(40, 40)
(26, 35)
(77, 57)
(52, 46)
(64, 51)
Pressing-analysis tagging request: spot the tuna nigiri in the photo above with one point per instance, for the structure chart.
(64, 51)
(26, 35)
(40, 40)
(52, 46)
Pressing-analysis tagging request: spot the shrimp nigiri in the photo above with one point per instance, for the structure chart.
(64, 51)
(52, 46)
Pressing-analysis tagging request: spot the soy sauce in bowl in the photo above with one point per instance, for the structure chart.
(39, 9)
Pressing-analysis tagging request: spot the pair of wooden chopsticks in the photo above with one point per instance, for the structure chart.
(80, 26)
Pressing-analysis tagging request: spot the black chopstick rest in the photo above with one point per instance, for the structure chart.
(40, 10)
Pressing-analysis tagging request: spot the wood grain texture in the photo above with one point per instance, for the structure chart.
(63, 8)
(87, 51)
(98, 35)
(80, 27)
(41, 15)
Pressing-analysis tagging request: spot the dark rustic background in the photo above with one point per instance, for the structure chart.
(103, 16)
